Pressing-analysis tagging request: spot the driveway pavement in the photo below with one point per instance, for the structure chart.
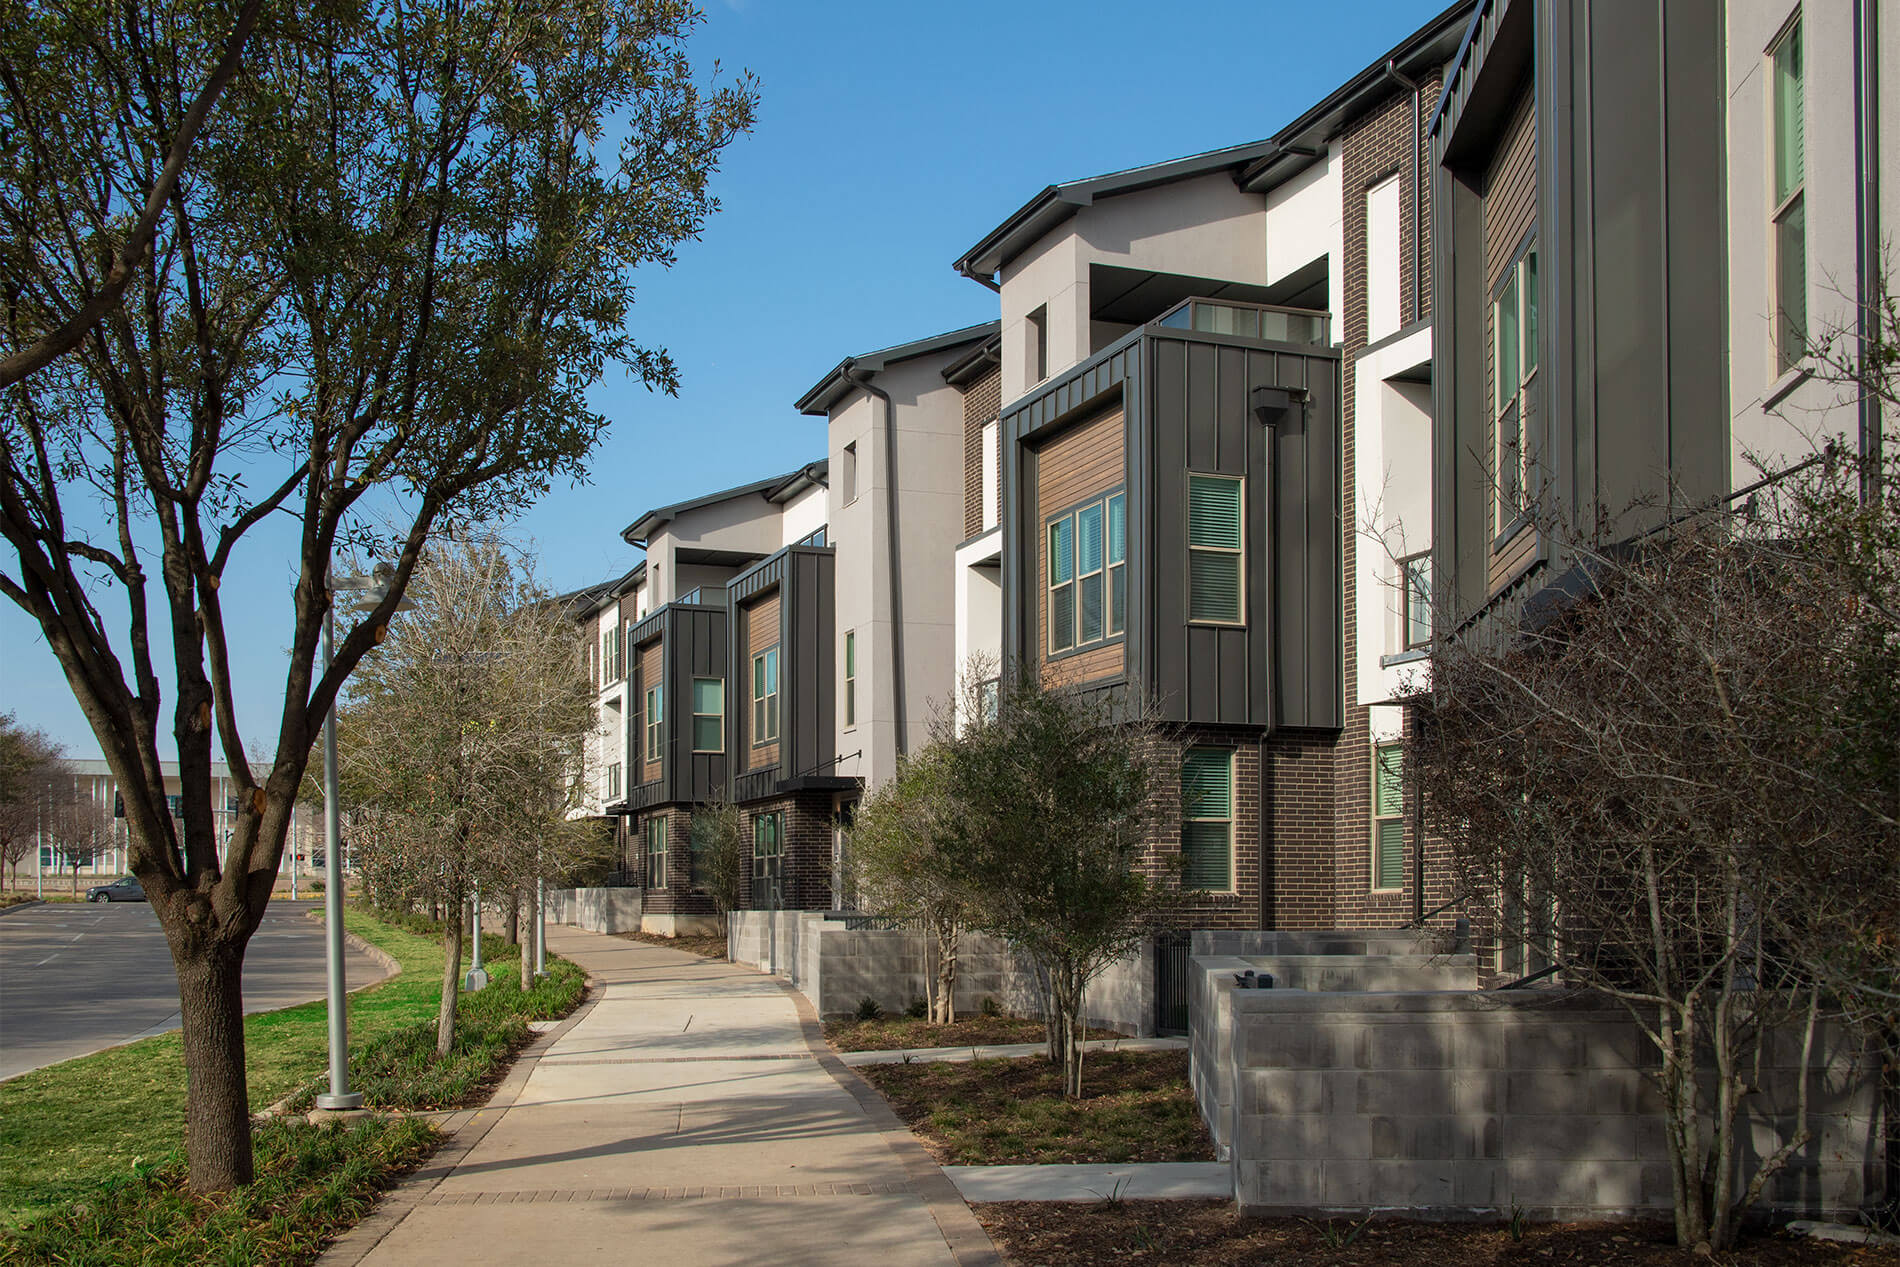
(78, 977)
(691, 1116)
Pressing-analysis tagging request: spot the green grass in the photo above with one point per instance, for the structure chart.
(68, 1129)
(312, 1183)
(1135, 1107)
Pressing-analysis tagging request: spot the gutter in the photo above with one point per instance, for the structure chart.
(1867, 254)
(893, 566)
(1418, 224)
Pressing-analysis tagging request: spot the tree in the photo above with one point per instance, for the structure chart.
(463, 731)
(401, 252)
(35, 780)
(1053, 806)
(81, 831)
(899, 844)
(717, 839)
(1627, 775)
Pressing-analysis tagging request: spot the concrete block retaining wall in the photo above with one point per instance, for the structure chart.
(1472, 1104)
(836, 966)
(596, 910)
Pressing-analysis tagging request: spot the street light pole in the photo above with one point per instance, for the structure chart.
(540, 929)
(340, 1096)
(477, 977)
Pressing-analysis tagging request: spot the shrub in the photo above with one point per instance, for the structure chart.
(990, 1007)
(869, 1009)
(918, 1009)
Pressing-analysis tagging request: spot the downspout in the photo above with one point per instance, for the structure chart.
(1867, 261)
(1417, 178)
(985, 280)
(893, 565)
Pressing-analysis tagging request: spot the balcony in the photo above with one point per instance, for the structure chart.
(1249, 321)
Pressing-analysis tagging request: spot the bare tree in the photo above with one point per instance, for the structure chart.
(35, 781)
(402, 252)
(463, 733)
(718, 851)
(1625, 771)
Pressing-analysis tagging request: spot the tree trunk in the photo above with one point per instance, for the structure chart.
(217, 1108)
(1068, 999)
(451, 977)
(943, 1002)
(525, 898)
(511, 927)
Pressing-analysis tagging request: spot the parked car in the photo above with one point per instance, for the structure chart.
(124, 889)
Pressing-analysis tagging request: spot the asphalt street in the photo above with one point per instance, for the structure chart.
(78, 977)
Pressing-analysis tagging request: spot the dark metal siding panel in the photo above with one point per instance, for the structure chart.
(1167, 523)
(1461, 543)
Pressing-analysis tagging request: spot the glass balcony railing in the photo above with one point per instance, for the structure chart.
(1249, 321)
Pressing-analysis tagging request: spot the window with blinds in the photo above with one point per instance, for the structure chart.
(1388, 816)
(765, 696)
(1216, 561)
(1088, 574)
(1207, 823)
(656, 853)
(709, 714)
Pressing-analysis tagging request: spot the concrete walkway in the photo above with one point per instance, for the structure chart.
(690, 1115)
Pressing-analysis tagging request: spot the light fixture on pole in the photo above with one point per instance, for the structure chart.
(370, 590)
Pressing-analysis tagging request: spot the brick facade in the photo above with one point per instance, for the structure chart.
(805, 868)
(680, 896)
(982, 401)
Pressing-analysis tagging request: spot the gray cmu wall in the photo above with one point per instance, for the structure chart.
(596, 910)
(1476, 1103)
(835, 967)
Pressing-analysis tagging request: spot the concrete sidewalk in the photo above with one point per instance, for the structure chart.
(691, 1115)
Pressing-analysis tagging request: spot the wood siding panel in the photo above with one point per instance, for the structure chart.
(1084, 461)
(761, 624)
(1510, 211)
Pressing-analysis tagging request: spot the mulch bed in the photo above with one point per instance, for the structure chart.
(705, 947)
(892, 1033)
(1048, 1234)
(1135, 1107)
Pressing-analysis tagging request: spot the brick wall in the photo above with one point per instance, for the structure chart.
(806, 865)
(678, 897)
(1241, 908)
(1374, 148)
(982, 400)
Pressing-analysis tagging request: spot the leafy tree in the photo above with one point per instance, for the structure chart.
(463, 731)
(717, 838)
(401, 252)
(35, 781)
(1674, 787)
(899, 857)
(1053, 806)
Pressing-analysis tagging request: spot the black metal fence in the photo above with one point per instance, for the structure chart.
(1171, 981)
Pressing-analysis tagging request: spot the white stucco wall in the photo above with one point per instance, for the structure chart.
(1305, 221)
(979, 606)
(802, 515)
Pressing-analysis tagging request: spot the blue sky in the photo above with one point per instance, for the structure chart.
(890, 137)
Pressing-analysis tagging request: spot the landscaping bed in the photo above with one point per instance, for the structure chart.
(707, 947)
(893, 1033)
(1135, 1107)
(1050, 1234)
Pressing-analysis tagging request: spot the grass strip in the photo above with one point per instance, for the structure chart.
(1135, 1107)
(313, 1183)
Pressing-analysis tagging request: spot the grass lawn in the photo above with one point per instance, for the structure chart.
(892, 1033)
(68, 1129)
(1135, 1106)
(1053, 1234)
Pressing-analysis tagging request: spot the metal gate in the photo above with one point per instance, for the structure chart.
(1171, 981)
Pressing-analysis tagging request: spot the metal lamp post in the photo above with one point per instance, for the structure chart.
(372, 590)
(477, 977)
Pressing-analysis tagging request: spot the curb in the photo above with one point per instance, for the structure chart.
(969, 1243)
(462, 1131)
(22, 906)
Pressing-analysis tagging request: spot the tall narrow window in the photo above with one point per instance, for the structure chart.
(1117, 563)
(655, 724)
(848, 477)
(851, 678)
(1062, 583)
(709, 714)
(768, 861)
(656, 853)
(1038, 349)
(1090, 579)
(1514, 329)
(1382, 259)
(1388, 816)
(1790, 211)
(1207, 827)
(1415, 591)
(1215, 563)
(613, 782)
(765, 696)
(989, 699)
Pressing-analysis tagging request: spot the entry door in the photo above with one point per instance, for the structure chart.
(768, 862)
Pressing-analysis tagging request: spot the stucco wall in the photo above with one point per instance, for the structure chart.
(596, 910)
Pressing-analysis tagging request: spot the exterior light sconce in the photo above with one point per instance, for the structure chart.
(1271, 405)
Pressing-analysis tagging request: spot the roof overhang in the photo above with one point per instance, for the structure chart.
(641, 530)
(838, 383)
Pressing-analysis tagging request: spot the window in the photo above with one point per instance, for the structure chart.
(613, 782)
(1382, 259)
(1038, 349)
(1388, 822)
(610, 655)
(991, 478)
(1789, 203)
(1207, 829)
(656, 853)
(655, 723)
(1215, 563)
(1087, 574)
(709, 714)
(848, 477)
(1415, 600)
(851, 678)
(1514, 328)
(765, 696)
(989, 698)
(768, 860)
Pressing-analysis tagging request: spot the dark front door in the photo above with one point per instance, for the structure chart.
(768, 862)
(1171, 981)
